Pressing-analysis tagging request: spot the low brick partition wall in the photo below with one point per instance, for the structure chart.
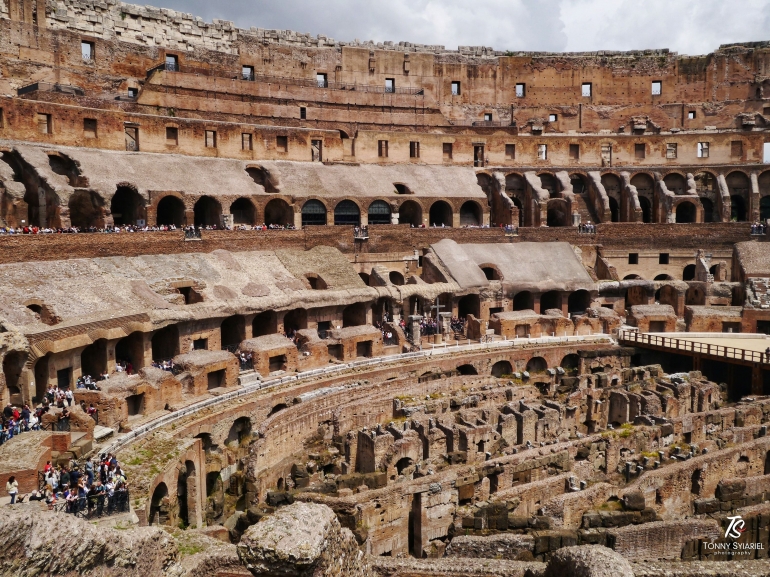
(25, 455)
(661, 539)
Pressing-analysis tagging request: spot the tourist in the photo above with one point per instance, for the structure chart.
(12, 488)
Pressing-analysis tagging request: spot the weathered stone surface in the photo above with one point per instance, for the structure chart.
(303, 539)
(588, 561)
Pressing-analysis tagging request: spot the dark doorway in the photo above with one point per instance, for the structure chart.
(170, 211)
(208, 212)
(165, 343)
(440, 214)
(468, 305)
(243, 211)
(233, 331)
(278, 212)
(523, 301)
(265, 323)
(127, 206)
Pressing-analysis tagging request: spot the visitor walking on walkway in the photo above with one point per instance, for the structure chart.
(12, 488)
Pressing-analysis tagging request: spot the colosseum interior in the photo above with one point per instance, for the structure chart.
(380, 310)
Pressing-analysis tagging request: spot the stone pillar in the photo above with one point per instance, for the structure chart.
(298, 220)
(414, 327)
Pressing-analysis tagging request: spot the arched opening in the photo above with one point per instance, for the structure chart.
(354, 315)
(346, 213)
(364, 277)
(86, 209)
(396, 278)
(705, 183)
(548, 182)
(295, 320)
(13, 364)
(42, 375)
(696, 482)
(165, 343)
(523, 301)
(645, 186)
(470, 214)
(558, 212)
(632, 277)
(263, 178)
(233, 331)
(93, 359)
(440, 214)
(614, 210)
(764, 208)
(501, 368)
(578, 183)
(662, 277)
(550, 300)
(65, 166)
(570, 362)
(127, 206)
(243, 211)
(403, 464)
(159, 505)
(685, 212)
(708, 210)
(675, 183)
(468, 305)
(208, 212)
(240, 431)
(579, 301)
(410, 212)
(313, 213)
(467, 370)
(611, 184)
(379, 212)
(278, 213)
(689, 272)
(536, 365)
(646, 207)
(277, 409)
(181, 497)
(129, 351)
(170, 211)
(265, 323)
(517, 204)
(737, 209)
(491, 273)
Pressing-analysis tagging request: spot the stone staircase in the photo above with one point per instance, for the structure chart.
(586, 212)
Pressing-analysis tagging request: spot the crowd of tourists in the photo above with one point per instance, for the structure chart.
(758, 228)
(587, 228)
(166, 365)
(98, 487)
(15, 421)
(388, 338)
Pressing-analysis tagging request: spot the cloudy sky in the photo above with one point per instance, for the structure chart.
(684, 26)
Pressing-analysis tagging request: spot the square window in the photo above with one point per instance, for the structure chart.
(585, 89)
(172, 135)
(414, 149)
(606, 153)
(663, 258)
(691, 115)
(43, 123)
(246, 141)
(200, 344)
(282, 143)
(510, 151)
(639, 150)
(133, 92)
(87, 51)
(574, 151)
(172, 63)
(521, 90)
(542, 152)
(487, 117)
(89, 127)
(633, 258)
(703, 150)
(247, 72)
(302, 113)
(321, 80)
(211, 139)
(382, 148)
(455, 88)
(447, 150)
(657, 86)
(736, 148)
(553, 117)
(390, 85)
(671, 150)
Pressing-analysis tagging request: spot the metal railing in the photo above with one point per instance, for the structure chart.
(49, 87)
(61, 425)
(681, 344)
(192, 234)
(96, 505)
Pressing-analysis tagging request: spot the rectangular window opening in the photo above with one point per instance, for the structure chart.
(89, 127)
(321, 80)
(663, 258)
(43, 123)
(133, 92)
(172, 135)
(574, 151)
(671, 150)
(316, 150)
(390, 85)
(553, 117)
(703, 150)
(211, 139)
(736, 148)
(510, 151)
(455, 88)
(639, 150)
(382, 148)
(414, 149)
(447, 150)
(633, 258)
(246, 141)
(87, 51)
(200, 344)
(521, 90)
(302, 113)
(586, 89)
(691, 115)
(172, 63)
(247, 72)
(487, 117)
(282, 143)
(657, 86)
(542, 152)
